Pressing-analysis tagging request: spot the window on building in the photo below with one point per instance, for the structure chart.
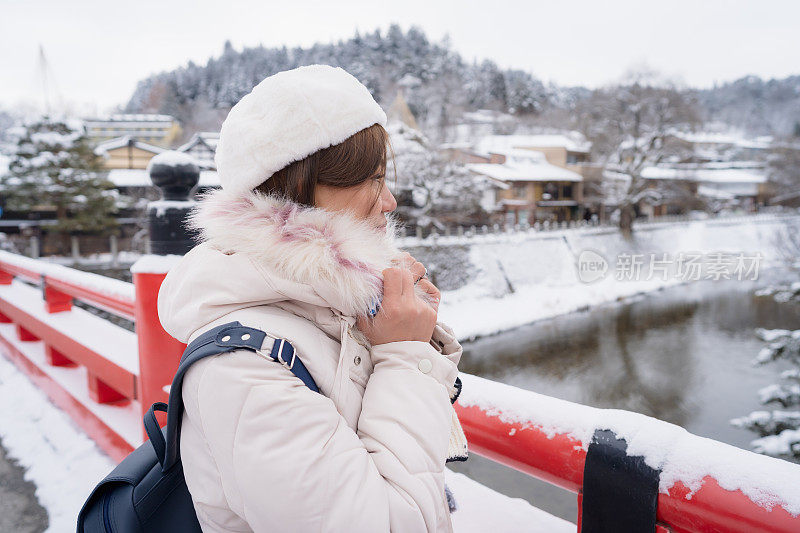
(550, 191)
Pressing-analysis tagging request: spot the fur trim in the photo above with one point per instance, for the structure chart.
(324, 249)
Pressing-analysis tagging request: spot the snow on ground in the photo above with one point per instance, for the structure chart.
(57, 456)
(480, 509)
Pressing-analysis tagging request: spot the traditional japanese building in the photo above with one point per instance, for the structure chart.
(159, 130)
(202, 146)
(126, 152)
(529, 188)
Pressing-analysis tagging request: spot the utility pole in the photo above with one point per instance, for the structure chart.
(44, 73)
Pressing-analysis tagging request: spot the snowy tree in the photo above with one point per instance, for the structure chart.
(631, 127)
(761, 107)
(486, 87)
(7, 121)
(779, 430)
(53, 168)
(436, 191)
(523, 93)
(784, 171)
(378, 59)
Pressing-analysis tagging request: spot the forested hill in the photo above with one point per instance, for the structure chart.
(756, 105)
(440, 82)
(441, 85)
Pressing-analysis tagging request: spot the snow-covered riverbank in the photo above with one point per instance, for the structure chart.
(505, 283)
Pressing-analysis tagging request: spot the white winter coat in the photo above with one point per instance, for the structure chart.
(260, 450)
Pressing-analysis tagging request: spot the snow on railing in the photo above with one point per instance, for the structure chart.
(703, 485)
(99, 372)
(72, 339)
(61, 284)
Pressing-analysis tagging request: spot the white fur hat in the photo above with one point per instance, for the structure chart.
(287, 117)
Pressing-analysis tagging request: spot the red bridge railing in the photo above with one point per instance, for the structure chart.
(103, 375)
(528, 440)
(99, 372)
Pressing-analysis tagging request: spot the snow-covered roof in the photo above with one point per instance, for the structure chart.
(136, 177)
(209, 138)
(486, 116)
(572, 141)
(712, 192)
(706, 174)
(112, 144)
(524, 173)
(733, 164)
(524, 165)
(132, 117)
(732, 137)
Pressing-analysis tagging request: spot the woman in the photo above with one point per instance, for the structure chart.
(296, 243)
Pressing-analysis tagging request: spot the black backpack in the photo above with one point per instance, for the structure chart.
(147, 490)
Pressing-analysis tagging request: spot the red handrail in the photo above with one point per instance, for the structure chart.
(61, 284)
(559, 459)
(115, 304)
(20, 271)
(109, 379)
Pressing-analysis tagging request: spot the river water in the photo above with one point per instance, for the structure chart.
(683, 355)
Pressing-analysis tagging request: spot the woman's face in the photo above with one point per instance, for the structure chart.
(369, 201)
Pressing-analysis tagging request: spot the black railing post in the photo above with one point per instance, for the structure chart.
(175, 174)
(620, 491)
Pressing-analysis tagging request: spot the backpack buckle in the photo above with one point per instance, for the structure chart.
(277, 352)
(280, 355)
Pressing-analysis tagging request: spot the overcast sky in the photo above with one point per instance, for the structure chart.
(99, 50)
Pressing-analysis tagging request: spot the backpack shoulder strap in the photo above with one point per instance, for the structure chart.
(221, 339)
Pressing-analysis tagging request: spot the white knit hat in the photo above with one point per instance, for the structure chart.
(287, 117)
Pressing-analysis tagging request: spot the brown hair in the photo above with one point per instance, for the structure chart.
(360, 157)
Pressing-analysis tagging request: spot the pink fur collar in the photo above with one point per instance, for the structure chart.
(332, 252)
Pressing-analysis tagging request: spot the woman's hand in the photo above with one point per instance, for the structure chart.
(433, 296)
(403, 316)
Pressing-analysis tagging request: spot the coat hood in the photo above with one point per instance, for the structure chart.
(257, 249)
